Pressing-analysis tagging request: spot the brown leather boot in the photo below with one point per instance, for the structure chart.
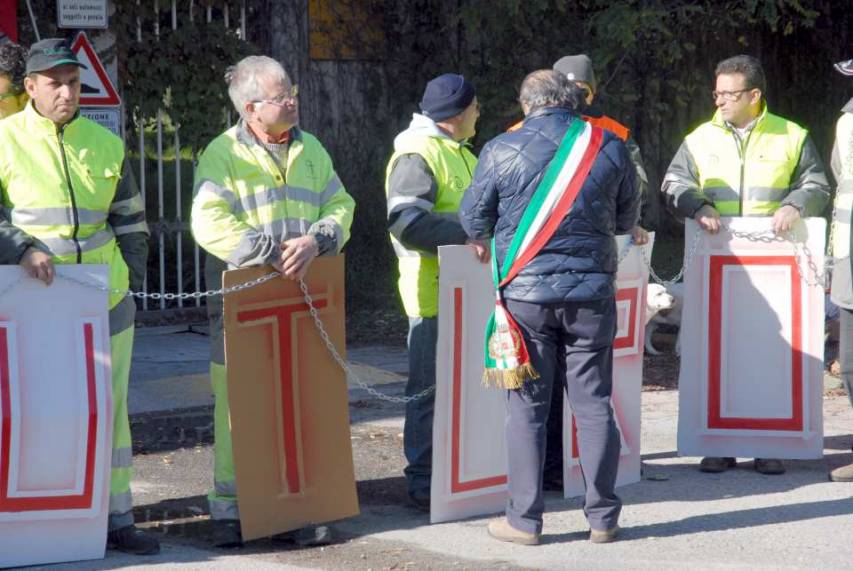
(604, 536)
(842, 474)
(501, 530)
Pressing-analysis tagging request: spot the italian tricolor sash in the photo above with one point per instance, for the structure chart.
(507, 361)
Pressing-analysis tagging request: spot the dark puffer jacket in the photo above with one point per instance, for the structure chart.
(579, 261)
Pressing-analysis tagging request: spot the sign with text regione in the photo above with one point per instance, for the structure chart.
(288, 401)
(751, 380)
(469, 473)
(107, 117)
(55, 416)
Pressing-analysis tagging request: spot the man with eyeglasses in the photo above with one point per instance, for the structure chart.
(426, 176)
(266, 192)
(745, 162)
(13, 96)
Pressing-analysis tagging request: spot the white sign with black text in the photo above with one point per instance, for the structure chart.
(81, 13)
(107, 117)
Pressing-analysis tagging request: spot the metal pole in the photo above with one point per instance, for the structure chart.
(161, 217)
(180, 230)
(141, 126)
(33, 20)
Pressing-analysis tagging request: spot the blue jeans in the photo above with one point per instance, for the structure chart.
(417, 431)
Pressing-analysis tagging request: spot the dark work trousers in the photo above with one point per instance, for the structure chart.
(583, 333)
(845, 350)
(417, 429)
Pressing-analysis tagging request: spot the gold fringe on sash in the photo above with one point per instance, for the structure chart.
(510, 379)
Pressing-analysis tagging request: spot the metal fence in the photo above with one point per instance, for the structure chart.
(178, 266)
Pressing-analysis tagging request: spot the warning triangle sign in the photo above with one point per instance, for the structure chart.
(95, 85)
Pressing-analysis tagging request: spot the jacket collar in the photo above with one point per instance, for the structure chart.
(245, 136)
(39, 125)
(718, 119)
(423, 126)
(542, 111)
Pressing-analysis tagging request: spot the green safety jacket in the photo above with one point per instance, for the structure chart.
(451, 166)
(245, 205)
(68, 191)
(773, 164)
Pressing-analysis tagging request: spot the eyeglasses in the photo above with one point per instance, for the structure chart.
(287, 95)
(730, 95)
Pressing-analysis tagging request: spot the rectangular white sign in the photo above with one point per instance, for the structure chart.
(469, 451)
(81, 13)
(54, 365)
(752, 343)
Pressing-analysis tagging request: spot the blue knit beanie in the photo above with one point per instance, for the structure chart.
(446, 96)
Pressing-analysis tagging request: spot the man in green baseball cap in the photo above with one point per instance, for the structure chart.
(69, 197)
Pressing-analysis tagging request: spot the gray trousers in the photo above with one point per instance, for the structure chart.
(583, 333)
(417, 430)
(845, 350)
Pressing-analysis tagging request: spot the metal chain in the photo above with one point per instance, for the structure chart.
(309, 301)
(173, 296)
(318, 323)
(766, 237)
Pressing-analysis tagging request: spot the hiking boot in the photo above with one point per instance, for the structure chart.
(420, 500)
(501, 530)
(226, 534)
(842, 474)
(130, 539)
(769, 466)
(605, 536)
(714, 464)
(308, 536)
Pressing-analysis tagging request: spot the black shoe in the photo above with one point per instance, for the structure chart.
(308, 536)
(130, 539)
(420, 500)
(715, 464)
(226, 534)
(769, 466)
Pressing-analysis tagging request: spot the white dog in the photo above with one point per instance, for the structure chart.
(663, 307)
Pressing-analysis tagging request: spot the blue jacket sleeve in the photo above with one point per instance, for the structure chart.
(478, 211)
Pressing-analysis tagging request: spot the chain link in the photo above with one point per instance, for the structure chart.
(318, 323)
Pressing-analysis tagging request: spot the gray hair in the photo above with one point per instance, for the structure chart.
(243, 79)
(548, 88)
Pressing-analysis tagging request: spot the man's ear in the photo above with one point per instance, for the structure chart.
(756, 96)
(30, 86)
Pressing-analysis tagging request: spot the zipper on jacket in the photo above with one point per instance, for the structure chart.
(467, 166)
(741, 152)
(75, 216)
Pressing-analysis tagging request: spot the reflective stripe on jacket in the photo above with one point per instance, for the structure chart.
(245, 205)
(452, 165)
(747, 177)
(60, 190)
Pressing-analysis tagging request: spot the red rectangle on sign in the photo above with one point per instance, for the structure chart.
(715, 301)
(43, 503)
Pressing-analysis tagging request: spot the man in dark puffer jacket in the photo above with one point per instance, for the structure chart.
(563, 300)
